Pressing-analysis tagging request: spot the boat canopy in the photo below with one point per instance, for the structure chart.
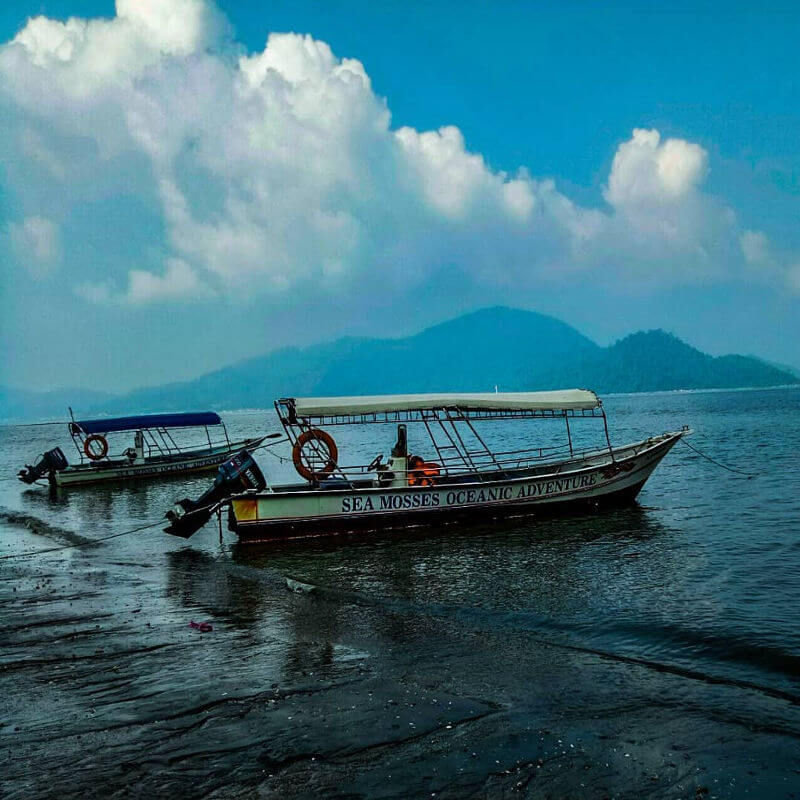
(562, 400)
(111, 424)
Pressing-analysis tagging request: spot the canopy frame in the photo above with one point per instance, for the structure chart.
(495, 402)
(444, 418)
(145, 421)
(157, 439)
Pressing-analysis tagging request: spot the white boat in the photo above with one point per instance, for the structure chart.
(461, 478)
(156, 452)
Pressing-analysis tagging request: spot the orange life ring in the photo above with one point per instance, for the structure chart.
(297, 454)
(87, 447)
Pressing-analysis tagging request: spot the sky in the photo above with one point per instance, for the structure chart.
(184, 184)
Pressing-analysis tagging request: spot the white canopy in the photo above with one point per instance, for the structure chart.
(564, 399)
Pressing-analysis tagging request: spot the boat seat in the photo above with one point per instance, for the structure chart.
(335, 483)
(106, 463)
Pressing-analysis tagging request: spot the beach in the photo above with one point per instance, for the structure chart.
(651, 651)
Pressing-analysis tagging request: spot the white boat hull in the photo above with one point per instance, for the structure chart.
(601, 478)
(197, 461)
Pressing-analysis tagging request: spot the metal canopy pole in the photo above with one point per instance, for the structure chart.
(608, 440)
(569, 435)
(225, 431)
(451, 446)
(481, 442)
(467, 455)
(438, 449)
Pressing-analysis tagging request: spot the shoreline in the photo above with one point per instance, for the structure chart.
(28, 422)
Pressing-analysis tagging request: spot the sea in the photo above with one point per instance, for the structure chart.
(650, 651)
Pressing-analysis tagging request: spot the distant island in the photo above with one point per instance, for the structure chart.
(512, 349)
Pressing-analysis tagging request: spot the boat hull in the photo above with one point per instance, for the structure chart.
(601, 480)
(203, 461)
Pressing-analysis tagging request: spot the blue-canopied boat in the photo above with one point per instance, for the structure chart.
(163, 444)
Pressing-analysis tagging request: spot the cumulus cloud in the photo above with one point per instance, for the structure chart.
(647, 171)
(280, 171)
(178, 283)
(35, 242)
(766, 262)
(755, 247)
(83, 56)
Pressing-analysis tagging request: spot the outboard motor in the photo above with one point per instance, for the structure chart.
(238, 474)
(52, 461)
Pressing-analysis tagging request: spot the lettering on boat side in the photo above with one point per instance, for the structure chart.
(557, 485)
(457, 497)
(181, 466)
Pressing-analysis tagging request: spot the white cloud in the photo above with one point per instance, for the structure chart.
(793, 277)
(768, 263)
(84, 56)
(33, 146)
(648, 171)
(35, 242)
(449, 177)
(755, 247)
(279, 171)
(179, 283)
(178, 27)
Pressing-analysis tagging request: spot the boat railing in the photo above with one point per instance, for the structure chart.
(508, 460)
(159, 443)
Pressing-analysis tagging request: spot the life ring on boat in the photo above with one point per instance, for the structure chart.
(94, 455)
(421, 472)
(326, 441)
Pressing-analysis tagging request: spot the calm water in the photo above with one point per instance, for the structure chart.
(653, 650)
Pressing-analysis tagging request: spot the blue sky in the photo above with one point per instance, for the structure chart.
(144, 243)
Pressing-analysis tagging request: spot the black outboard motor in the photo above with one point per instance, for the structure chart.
(48, 463)
(238, 474)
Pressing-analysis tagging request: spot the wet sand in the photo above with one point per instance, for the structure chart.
(327, 692)
(649, 652)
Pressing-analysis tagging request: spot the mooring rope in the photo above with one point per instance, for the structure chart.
(748, 475)
(92, 543)
(31, 553)
(280, 458)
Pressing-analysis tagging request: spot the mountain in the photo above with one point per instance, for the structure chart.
(513, 349)
(783, 367)
(652, 361)
(494, 346)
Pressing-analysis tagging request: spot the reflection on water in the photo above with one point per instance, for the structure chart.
(533, 576)
(198, 580)
(707, 557)
(666, 632)
(245, 599)
(515, 564)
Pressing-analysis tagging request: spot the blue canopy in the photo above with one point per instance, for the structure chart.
(191, 420)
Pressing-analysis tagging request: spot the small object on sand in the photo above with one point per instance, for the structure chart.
(299, 586)
(203, 627)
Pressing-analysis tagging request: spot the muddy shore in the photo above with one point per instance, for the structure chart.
(647, 652)
(317, 691)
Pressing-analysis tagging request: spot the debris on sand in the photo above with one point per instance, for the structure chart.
(298, 586)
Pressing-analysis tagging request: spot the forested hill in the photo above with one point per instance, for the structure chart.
(512, 349)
